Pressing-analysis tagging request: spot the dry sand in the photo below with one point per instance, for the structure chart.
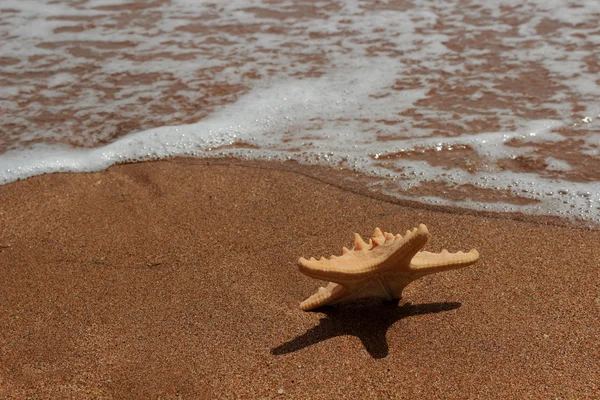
(178, 279)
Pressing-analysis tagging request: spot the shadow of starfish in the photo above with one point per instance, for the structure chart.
(369, 324)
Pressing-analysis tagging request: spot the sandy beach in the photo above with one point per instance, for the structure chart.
(178, 279)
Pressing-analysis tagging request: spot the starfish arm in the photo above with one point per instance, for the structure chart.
(324, 296)
(408, 246)
(351, 266)
(365, 258)
(425, 263)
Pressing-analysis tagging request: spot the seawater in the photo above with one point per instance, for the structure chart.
(484, 105)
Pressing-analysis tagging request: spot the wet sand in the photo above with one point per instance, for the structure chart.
(178, 279)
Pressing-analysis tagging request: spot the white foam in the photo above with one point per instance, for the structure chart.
(260, 118)
(555, 164)
(61, 79)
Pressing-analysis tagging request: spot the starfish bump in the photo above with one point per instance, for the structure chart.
(381, 267)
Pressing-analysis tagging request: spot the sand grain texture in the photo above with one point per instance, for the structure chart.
(178, 279)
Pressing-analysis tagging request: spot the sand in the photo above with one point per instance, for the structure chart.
(178, 279)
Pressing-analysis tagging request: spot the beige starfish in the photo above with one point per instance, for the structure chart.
(381, 268)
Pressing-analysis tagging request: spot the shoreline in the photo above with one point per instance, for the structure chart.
(332, 176)
(355, 182)
(172, 278)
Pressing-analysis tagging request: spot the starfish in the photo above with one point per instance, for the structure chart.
(382, 268)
